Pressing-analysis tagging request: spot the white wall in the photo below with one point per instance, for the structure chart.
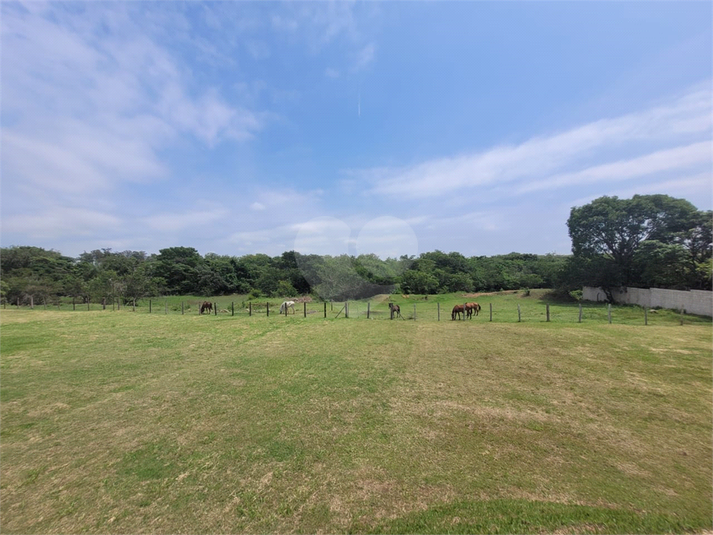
(698, 302)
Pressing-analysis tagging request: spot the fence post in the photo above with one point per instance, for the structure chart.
(215, 308)
(325, 309)
(548, 312)
(519, 317)
(134, 309)
(439, 311)
(368, 309)
(182, 311)
(305, 308)
(250, 308)
(609, 312)
(646, 316)
(268, 310)
(74, 307)
(88, 304)
(149, 306)
(232, 308)
(104, 303)
(580, 312)
(346, 309)
(491, 312)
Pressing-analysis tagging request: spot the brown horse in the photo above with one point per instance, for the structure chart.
(458, 309)
(471, 308)
(395, 309)
(206, 305)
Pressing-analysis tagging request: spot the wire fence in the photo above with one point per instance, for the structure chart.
(421, 311)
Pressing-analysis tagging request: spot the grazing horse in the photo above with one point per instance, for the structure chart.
(395, 309)
(471, 308)
(285, 305)
(206, 305)
(458, 309)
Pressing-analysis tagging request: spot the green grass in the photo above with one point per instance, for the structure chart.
(533, 308)
(120, 422)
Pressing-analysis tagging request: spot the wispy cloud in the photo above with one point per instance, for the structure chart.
(565, 158)
(87, 104)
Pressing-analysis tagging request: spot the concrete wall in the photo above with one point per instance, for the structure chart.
(698, 302)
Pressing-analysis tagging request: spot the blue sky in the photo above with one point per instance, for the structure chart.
(345, 127)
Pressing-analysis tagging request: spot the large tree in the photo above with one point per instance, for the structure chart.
(614, 230)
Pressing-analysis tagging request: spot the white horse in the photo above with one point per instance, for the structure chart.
(285, 305)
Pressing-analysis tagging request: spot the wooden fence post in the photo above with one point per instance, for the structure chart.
(215, 308)
(268, 310)
(346, 309)
(325, 309)
(250, 308)
(609, 312)
(165, 309)
(88, 304)
(134, 309)
(368, 309)
(74, 307)
(232, 308)
(491, 312)
(182, 309)
(548, 312)
(104, 303)
(439, 311)
(519, 317)
(646, 316)
(580, 312)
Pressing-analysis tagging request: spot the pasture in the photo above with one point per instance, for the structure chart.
(119, 422)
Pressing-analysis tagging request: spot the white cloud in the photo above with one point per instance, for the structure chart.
(172, 222)
(678, 158)
(571, 152)
(365, 56)
(59, 222)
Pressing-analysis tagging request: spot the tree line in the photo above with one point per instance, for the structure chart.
(652, 240)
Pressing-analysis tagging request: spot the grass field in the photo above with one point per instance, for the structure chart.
(120, 422)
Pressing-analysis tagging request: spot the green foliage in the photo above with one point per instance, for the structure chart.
(648, 240)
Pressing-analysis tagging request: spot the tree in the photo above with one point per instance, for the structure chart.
(613, 229)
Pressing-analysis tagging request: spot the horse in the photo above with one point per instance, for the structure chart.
(206, 305)
(458, 309)
(395, 309)
(285, 305)
(471, 308)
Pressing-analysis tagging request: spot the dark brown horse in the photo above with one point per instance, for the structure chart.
(472, 308)
(206, 305)
(395, 309)
(457, 310)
